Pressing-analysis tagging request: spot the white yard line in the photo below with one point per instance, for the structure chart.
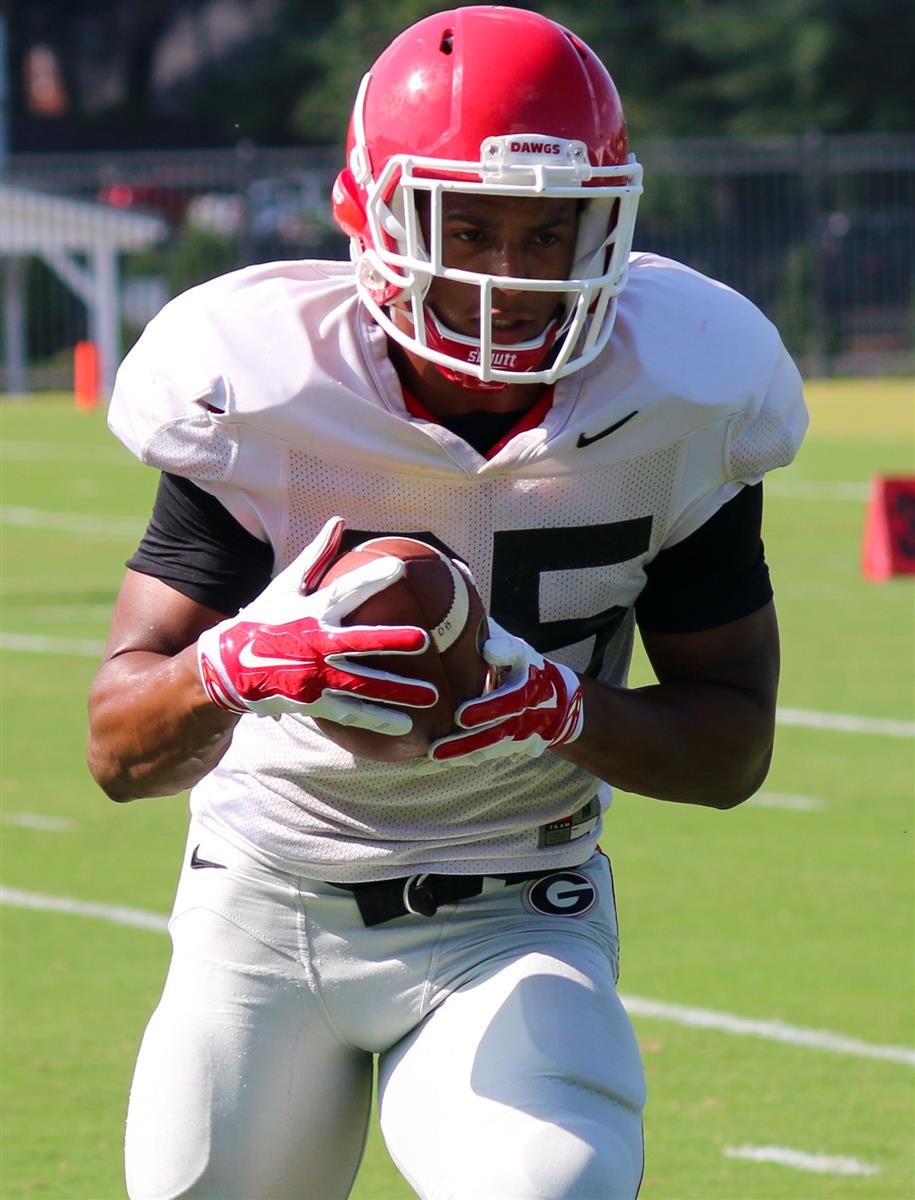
(822, 1164)
(845, 722)
(40, 822)
(776, 1031)
(55, 452)
(119, 915)
(772, 1031)
(33, 643)
(810, 489)
(788, 802)
(84, 524)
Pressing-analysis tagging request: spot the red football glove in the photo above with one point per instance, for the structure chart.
(287, 652)
(537, 705)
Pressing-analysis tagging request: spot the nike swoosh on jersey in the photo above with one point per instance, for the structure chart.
(198, 863)
(585, 440)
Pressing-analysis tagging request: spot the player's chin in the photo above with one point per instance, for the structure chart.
(379, 747)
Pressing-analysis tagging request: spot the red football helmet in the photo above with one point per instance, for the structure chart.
(499, 101)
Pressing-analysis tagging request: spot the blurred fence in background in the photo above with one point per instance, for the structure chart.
(819, 232)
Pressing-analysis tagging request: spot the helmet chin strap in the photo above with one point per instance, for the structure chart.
(527, 356)
(469, 383)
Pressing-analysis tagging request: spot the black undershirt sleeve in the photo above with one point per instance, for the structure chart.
(195, 545)
(716, 575)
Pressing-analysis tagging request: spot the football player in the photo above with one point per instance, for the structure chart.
(586, 429)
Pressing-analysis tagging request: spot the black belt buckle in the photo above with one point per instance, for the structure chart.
(419, 897)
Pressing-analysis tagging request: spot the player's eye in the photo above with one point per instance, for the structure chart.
(468, 234)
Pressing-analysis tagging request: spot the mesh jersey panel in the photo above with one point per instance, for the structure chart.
(316, 806)
(759, 444)
(192, 447)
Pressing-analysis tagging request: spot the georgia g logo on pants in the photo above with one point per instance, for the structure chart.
(563, 894)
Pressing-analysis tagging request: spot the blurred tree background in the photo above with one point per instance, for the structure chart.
(197, 111)
(101, 74)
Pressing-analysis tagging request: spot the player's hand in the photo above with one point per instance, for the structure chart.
(537, 705)
(287, 651)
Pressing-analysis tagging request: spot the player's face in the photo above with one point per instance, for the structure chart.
(529, 237)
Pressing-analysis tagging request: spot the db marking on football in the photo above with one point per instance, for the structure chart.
(565, 894)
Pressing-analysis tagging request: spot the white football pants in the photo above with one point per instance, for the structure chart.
(508, 1069)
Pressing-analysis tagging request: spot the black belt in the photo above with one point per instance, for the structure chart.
(422, 895)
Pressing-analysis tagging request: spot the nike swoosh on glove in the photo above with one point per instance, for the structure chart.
(286, 652)
(537, 705)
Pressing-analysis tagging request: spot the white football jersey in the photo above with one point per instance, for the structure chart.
(271, 388)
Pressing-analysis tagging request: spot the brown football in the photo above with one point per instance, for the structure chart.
(435, 595)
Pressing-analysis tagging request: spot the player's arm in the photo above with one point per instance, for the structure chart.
(703, 734)
(162, 710)
(178, 672)
(153, 730)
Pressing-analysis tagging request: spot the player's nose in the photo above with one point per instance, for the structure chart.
(508, 258)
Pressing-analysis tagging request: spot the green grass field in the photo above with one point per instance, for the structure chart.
(796, 908)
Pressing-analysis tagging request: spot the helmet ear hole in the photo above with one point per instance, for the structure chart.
(348, 206)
